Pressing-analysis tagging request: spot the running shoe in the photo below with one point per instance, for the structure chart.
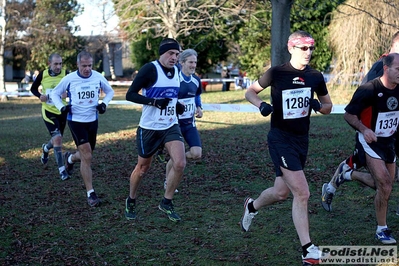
(247, 217)
(68, 166)
(314, 256)
(64, 175)
(326, 198)
(160, 157)
(130, 210)
(169, 210)
(339, 176)
(93, 200)
(385, 237)
(44, 157)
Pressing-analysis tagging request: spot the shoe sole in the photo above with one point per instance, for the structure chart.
(323, 191)
(129, 218)
(95, 204)
(66, 178)
(170, 218)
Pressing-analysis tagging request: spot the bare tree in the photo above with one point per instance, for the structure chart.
(359, 33)
(174, 18)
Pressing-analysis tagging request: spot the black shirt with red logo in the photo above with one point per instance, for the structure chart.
(291, 91)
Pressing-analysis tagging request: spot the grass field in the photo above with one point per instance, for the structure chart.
(46, 221)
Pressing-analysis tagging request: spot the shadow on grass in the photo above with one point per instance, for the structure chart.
(46, 221)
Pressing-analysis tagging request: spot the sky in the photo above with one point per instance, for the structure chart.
(90, 21)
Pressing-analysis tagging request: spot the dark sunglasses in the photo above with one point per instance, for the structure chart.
(305, 48)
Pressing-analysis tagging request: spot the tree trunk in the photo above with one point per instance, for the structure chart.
(281, 28)
(110, 55)
(2, 42)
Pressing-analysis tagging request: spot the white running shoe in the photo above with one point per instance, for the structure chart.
(247, 217)
(314, 256)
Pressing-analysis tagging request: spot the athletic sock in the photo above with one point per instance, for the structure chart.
(130, 200)
(331, 188)
(380, 227)
(251, 207)
(89, 192)
(166, 201)
(305, 249)
(348, 175)
(58, 157)
(70, 159)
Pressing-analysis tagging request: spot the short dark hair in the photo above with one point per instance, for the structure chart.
(84, 54)
(50, 58)
(388, 60)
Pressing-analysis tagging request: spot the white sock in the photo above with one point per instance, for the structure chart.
(380, 227)
(348, 175)
(331, 188)
(89, 192)
(45, 148)
(61, 169)
(70, 159)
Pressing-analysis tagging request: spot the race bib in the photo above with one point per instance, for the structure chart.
(85, 95)
(167, 114)
(296, 103)
(189, 108)
(49, 100)
(386, 124)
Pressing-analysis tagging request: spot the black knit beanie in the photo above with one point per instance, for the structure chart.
(168, 44)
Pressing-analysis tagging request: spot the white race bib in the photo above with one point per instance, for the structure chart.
(169, 113)
(49, 100)
(386, 124)
(85, 95)
(296, 103)
(189, 108)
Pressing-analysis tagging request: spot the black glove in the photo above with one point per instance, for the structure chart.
(66, 109)
(161, 103)
(265, 109)
(180, 108)
(315, 105)
(101, 108)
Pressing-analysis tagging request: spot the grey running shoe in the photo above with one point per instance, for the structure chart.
(247, 217)
(93, 200)
(339, 176)
(44, 157)
(385, 237)
(169, 210)
(64, 175)
(68, 166)
(326, 198)
(130, 210)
